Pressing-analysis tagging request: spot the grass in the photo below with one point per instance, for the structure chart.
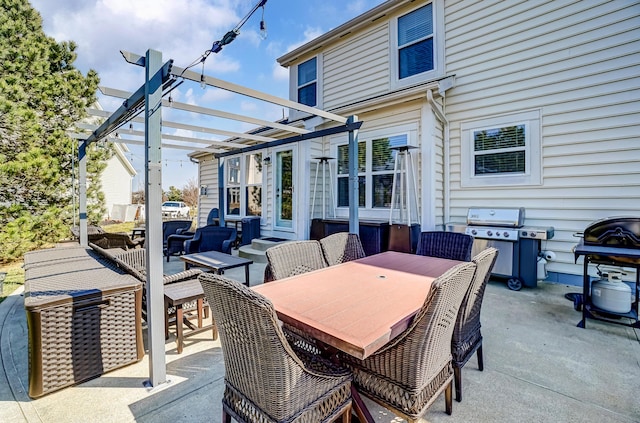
(14, 279)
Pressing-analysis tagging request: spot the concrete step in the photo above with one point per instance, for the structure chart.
(264, 244)
(256, 250)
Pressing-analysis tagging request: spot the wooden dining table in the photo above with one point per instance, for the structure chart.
(359, 306)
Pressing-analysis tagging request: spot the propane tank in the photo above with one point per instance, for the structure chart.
(611, 294)
(542, 268)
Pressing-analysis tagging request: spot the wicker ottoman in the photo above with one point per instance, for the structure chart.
(83, 315)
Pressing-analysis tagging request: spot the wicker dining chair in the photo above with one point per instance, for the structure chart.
(293, 258)
(408, 374)
(467, 338)
(449, 245)
(266, 379)
(341, 247)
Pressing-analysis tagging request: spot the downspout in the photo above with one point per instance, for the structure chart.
(447, 159)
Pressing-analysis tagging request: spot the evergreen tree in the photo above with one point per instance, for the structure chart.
(42, 95)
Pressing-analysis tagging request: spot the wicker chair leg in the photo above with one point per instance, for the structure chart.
(346, 416)
(226, 418)
(457, 376)
(480, 360)
(448, 405)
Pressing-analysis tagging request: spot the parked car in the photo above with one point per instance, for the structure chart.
(175, 209)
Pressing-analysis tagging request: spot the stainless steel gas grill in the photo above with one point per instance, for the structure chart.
(518, 245)
(614, 241)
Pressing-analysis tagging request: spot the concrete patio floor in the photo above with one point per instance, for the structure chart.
(538, 367)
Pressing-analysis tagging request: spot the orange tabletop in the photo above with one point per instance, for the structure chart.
(357, 306)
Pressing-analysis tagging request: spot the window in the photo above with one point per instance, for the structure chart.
(415, 42)
(233, 185)
(254, 185)
(307, 82)
(503, 150)
(248, 182)
(417, 49)
(376, 160)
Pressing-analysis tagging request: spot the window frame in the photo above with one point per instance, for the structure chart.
(409, 130)
(531, 120)
(294, 86)
(438, 48)
(242, 184)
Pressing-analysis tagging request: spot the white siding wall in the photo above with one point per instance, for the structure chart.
(116, 183)
(576, 62)
(208, 175)
(358, 69)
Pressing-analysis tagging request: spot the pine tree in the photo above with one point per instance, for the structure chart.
(42, 95)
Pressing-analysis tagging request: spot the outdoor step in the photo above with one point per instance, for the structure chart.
(264, 244)
(258, 256)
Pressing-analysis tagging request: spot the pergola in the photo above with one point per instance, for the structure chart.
(160, 79)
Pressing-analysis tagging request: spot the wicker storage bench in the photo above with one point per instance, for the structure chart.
(83, 316)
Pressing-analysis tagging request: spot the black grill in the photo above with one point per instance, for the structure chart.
(613, 241)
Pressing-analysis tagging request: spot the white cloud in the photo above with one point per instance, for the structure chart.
(280, 73)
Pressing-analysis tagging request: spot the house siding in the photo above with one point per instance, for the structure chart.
(207, 175)
(116, 182)
(576, 62)
(358, 69)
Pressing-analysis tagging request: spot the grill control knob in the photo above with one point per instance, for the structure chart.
(474, 232)
(497, 233)
(506, 234)
(532, 234)
(489, 233)
(524, 233)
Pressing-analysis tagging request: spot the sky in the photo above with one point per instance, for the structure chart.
(183, 30)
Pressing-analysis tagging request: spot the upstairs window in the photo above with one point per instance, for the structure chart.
(416, 48)
(415, 42)
(308, 82)
(504, 150)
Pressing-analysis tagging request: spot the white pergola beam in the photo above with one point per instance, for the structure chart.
(194, 128)
(239, 89)
(112, 92)
(217, 143)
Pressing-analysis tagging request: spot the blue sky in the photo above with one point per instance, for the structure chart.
(183, 30)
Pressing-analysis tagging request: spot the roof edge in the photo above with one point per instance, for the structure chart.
(352, 25)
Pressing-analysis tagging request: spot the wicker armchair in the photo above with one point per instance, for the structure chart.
(467, 338)
(341, 247)
(410, 372)
(134, 263)
(266, 379)
(294, 258)
(449, 245)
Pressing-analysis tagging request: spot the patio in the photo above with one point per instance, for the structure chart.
(538, 367)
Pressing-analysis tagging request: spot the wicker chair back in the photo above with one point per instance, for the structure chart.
(409, 373)
(467, 337)
(266, 380)
(294, 258)
(341, 247)
(449, 245)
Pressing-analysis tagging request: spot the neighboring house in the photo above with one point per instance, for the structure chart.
(510, 104)
(116, 185)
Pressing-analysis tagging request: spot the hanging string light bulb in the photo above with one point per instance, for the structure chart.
(263, 26)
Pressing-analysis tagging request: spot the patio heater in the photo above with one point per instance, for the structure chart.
(404, 233)
(317, 226)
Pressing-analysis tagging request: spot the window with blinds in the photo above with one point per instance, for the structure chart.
(502, 150)
(307, 82)
(415, 42)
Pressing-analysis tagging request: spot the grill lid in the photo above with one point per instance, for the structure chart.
(617, 231)
(504, 217)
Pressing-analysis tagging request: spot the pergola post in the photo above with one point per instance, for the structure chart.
(354, 226)
(153, 218)
(82, 191)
